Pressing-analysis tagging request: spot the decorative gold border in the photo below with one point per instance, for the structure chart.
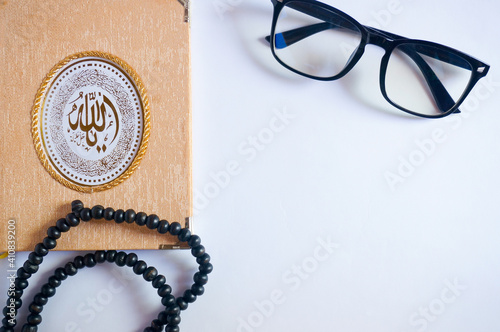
(35, 131)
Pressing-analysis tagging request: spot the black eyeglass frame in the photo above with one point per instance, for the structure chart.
(388, 41)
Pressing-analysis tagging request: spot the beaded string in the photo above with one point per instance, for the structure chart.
(168, 318)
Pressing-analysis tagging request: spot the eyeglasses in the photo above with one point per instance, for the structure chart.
(419, 77)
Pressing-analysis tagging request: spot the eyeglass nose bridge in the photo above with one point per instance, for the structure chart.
(379, 38)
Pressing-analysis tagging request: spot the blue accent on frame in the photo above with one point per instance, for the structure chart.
(280, 41)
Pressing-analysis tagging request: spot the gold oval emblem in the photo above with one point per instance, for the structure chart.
(91, 121)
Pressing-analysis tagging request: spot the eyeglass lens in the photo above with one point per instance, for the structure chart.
(411, 70)
(320, 45)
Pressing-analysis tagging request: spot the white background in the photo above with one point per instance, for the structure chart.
(417, 255)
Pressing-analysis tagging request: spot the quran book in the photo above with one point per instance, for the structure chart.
(96, 106)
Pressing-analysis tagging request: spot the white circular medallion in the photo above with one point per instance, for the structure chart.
(91, 121)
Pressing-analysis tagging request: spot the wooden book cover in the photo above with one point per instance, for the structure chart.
(95, 99)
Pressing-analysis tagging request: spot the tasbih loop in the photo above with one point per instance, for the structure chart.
(168, 318)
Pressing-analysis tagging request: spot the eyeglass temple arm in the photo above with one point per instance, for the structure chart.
(290, 37)
(443, 99)
(437, 54)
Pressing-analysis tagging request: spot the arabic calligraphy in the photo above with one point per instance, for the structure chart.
(92, 121)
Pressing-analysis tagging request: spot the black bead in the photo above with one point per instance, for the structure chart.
(40, 250)
(54, 232)
(86, 214)
(159, 281)
(70, 269)
(197, 289)
(198, 251)
(130, 216)
(18, 293)
(163, 227)
(168, 300)
(175, 228)
(6, 310)
(172, 328)
(89, 260)
(40, 299)
(194, 241)
(131, 259)
(60, 274)
(111, 256)
(100, 256)
(30, 268)
(206, 268)
(98, 212)
(35, 308)
(162, 317)
(174, 319)
(188, 296)
(16, 302)
(48, 290)
(203, 259)
(49, 243)
(72, 220)
(184, 235)
(173, 310)
(6, 323)
(120, 258)
(29, 328)
(22, 274)
(156, 325)
(200, 278)
(183, 305)
(62, 225)
(54, 281)
(109, 213)
(140, 267)
(119, 216)
(140, 218)
(150, 274)
(34, 319)
(164, 290)
(78, 262)
(76, 206)
(152, 222)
